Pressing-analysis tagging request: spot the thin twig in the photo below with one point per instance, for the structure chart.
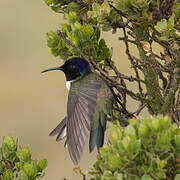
(156, 65)
(132, 60)
(157, 56)
(131, 34)
(121, 75)
(178, 98)
(119, 11)
(79, 171)
(124, 110)
(140, 108)
(164, 80)
(128, 40)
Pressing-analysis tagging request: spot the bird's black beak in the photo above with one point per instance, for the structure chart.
(52, 69)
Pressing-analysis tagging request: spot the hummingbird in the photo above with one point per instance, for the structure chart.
(89, 105)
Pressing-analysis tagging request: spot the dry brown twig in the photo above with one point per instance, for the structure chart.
(78, 170)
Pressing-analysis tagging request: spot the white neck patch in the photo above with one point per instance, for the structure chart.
(68, 84)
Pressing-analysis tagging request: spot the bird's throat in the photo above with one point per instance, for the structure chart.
(68, 84)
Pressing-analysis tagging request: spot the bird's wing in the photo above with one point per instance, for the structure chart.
(87, 107)
(60, 130)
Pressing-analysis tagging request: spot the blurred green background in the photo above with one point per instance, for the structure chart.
(32, 104)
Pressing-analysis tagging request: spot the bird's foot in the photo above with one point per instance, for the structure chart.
(79, 171)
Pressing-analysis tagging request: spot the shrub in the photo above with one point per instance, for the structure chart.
(16, 162)
(147, 149)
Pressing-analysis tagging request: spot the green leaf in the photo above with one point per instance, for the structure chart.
(114, 133)
(95, 6)
(130, 131)
(30, 169)
(19, 165)
(24, 154)
(161, 163)
(146, 177)
(8, 175)
(75, 37)
(118, 176)
(177, 141)
(66, 28)
(2, 167)
(49, 2)
(104, 52)
(161, 26)
(126, 142)
(104, 152)
(143, 130)
(171, 22)
(88, 31)
(133, 145)
(73, 7)
(155, 125)
(54, 4)
(10, 143)
(164, 122)
(133, 121)
(114, 161)
(105, 8)
(164, 139)
(123, 4)
(102, 43)
(22, 176)
(42, 164)
(107, 174)
(177, 177)
(52, 39)
(72, 17)
(96, 34)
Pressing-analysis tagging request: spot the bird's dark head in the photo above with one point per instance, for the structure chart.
(73, 68)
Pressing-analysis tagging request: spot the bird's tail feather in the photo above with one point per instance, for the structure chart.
(97, 134)
(60, 130)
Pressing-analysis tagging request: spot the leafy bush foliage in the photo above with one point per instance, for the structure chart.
(140, 23)
(147, 149)
(85, 38)
(16, 162)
